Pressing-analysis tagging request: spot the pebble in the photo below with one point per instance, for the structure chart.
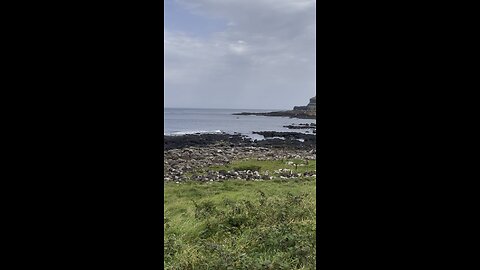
(193, 160)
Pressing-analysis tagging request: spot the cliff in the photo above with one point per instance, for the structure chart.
(306, 112)
(311, 106)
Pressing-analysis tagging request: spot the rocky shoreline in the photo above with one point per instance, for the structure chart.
(309, 127)
(189, 157)
(302, 112)
(290, 140)
(291, 114)
(302, 126)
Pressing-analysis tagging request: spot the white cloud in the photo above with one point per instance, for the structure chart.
(264, 59)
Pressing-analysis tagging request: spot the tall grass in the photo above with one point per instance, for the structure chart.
(240, 225)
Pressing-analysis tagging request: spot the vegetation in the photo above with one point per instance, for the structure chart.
(296, 165)
(263, 166)
(241, 224)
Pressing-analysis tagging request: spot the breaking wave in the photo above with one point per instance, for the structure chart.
(180, 133)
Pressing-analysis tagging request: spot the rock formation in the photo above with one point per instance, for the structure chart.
(312, 105)
(307, 112)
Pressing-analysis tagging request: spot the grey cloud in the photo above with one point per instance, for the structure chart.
(264, 59)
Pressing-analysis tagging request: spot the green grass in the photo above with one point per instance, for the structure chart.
(263, 166)
(241, 224)
(268, 165)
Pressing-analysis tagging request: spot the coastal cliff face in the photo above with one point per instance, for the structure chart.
(307, 112)
(311, 106)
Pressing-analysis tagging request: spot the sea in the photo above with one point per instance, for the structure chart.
(191, 121)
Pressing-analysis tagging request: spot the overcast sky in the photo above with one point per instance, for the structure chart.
(247, 54)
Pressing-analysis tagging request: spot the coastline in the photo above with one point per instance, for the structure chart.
(219, 185)
(290, 114)
(301, 112)
(192, 157)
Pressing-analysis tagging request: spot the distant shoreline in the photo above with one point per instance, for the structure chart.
(230, 109)
(291, 114)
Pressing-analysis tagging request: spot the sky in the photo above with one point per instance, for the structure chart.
(242, 54)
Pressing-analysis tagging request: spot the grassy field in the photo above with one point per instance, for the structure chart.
(241, 224)
(296, 165)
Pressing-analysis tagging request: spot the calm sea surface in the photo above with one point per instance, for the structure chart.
(189, 121)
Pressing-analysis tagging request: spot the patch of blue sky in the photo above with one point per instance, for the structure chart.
(178, 18)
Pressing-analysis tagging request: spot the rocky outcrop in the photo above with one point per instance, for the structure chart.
(292, 114)
(290, 140)
(304, 112)
(311, 106)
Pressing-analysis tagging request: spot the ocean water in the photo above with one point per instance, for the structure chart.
(190, 121)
